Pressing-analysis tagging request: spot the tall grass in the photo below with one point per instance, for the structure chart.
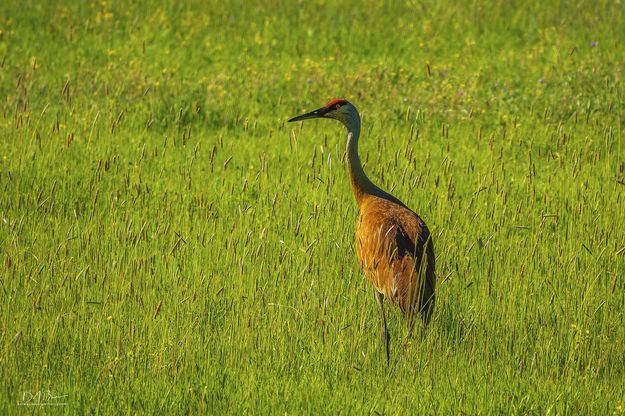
(168, 244)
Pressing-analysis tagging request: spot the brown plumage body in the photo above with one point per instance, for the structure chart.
(396, 253)
(393, 244)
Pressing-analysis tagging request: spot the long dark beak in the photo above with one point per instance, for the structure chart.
(313, 114)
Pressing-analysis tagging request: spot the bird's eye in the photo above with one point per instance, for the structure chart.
(337, 106)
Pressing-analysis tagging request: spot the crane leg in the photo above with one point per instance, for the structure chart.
(379, 297)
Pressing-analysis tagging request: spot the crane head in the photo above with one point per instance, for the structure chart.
(338, 109)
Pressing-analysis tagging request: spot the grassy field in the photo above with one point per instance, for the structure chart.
(169, 244)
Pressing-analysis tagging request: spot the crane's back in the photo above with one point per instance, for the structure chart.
(396, 253)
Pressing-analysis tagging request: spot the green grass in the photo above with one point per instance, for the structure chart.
(169, 244)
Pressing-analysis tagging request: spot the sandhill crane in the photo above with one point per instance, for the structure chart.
(393, 244)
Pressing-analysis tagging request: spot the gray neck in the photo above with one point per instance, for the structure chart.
(361, 184)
